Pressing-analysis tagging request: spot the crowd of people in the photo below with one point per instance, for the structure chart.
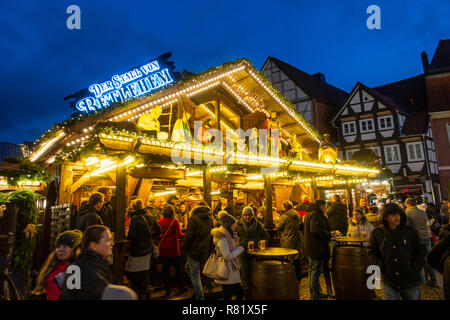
(409, 241)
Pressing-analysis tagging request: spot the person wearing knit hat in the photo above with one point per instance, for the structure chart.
(70, 238)
(228, 246)
(52, 275)
(226, 220)
(248, 229)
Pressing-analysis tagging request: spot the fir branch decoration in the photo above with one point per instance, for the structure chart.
(25, 200)
(28, 171)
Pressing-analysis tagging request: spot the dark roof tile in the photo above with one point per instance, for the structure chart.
(8, 150)
(312, 84)
(441, 59)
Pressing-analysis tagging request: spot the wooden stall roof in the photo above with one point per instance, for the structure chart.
(239, 80)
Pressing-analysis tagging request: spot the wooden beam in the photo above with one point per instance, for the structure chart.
(121, 202)
(268, 218)
(65, 184)
(112, 176)
(144, 189)
(207, 186)
(85, 177)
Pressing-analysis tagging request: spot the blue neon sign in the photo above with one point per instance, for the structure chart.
(121, 87)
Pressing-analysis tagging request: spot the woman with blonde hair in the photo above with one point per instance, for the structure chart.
(52, 275)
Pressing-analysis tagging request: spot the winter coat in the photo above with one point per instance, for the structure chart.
(447, 278)
(418, 220)
(441, 250)
(52, 289)
(238, 210)
(229, 254)
(143, 229)
(289, 226)
(375, 219)
(87, 216)
(198, 243)
(317, 235)
(253, 231)
(355, 229)
(95, 272)
(108, 217)
(304, 207)
(155, 212)
(170, 246)
(399, 254)
(337, 217)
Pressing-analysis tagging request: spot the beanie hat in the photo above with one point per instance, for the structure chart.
(71, 238)
(113, 292)
(248, 210)
(226, 220)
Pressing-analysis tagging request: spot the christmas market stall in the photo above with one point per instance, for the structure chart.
(22, 202)
(150, 133)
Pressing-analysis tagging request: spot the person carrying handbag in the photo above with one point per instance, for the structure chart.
(169, 247)
(141, 236)
(227, 246)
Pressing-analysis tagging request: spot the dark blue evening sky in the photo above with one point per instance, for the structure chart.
(42, 61)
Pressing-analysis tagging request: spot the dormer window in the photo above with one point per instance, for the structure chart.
(349, 128)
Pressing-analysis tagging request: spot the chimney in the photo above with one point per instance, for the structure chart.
(425, 63)
(320, 76)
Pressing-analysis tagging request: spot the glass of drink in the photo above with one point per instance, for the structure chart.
(262, 244)
(251, 246)
(364, 234)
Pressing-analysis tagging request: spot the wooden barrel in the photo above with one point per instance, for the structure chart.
(349, 273)
(273, 280)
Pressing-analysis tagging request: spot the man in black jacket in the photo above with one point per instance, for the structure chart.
(198, 245)
(439, 257)
(397, 250)
(88, 215)
(316, 247)
(337, 215)
(106, 213)
(223, 205)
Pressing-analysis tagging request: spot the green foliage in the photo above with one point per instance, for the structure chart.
(26, 202)
(28, 171)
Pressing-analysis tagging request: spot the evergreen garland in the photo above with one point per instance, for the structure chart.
(28, 171)
(26, 201)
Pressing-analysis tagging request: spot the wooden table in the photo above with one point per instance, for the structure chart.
(274, 253)
(272, 275)
(349, 241)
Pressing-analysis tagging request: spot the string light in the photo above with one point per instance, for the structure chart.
(47, 146)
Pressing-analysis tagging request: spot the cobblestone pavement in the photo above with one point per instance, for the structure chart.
(427, 293)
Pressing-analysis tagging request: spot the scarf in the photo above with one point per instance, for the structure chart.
(233, 243)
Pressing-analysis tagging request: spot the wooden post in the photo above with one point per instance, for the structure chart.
(65, 183)
(313, 189)
(207, 186)
(121, 204)
(52, 195)
(349, 201)
(119, 232)
(268, 218)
